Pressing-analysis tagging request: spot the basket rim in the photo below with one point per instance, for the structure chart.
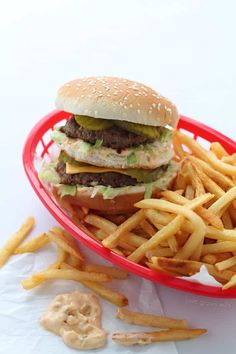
(28, 156)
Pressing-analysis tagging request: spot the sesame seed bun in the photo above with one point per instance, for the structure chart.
(116, 98)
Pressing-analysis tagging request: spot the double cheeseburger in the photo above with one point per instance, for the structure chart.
(115, 149)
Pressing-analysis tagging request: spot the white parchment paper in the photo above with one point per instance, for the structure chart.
(20, 309)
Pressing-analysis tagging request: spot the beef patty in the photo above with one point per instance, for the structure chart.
(114, 137)
(112, 179)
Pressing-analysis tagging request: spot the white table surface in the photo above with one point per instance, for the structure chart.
(185, 49)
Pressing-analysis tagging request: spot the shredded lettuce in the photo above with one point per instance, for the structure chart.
(84, 147)
(148, 190)
(98, 143)
(58, 136)
(48, 173)
(165, 135)
(131, 159)
(67, 189)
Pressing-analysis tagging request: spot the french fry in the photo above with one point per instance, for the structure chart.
(219, 247)
(161, 235)
(64, 240)
(162, 270)
(215, 258)
(205, 155)
(224, 275)
(222, 180)
(227, 220)
(149, 320)
(14, 241)
(226, 264)
(142, 338)
(115, 273)
(231, 283)
(73, 261)
(208, 183)
(102, 290)
(218, 150)
(178, 149)
(185, 267)
(159, 252)
(147, 227)
(199, 227)
(195, 180)
(128, 238)
(101, 235)
(206, 214)
(180, 181)
(70, 274)
(229, 159)
(34, 281)
(113, 239)
(189, 192)
(172, 243)
(33, 245)
(223, 201)
(181, 238)
(106, 293)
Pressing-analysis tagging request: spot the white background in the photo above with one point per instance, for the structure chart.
(184, 49)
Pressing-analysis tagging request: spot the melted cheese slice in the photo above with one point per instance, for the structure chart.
(73, 169)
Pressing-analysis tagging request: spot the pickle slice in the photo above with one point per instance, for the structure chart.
(140, 129)
(91, 123)
(64, 157)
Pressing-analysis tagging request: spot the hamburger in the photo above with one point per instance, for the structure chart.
(115, 149)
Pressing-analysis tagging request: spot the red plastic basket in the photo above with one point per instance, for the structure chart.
(38, 144)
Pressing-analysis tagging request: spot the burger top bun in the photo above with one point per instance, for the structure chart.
(116, 98)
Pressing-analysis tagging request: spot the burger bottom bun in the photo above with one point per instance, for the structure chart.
(123, 203)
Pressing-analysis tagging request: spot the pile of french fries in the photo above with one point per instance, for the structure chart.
(70, 265)
(191, 225)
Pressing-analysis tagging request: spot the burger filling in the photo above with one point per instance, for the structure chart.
(110, 156)
(113, 137)
(73, 172)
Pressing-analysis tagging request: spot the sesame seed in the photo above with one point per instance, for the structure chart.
(125, 107)
(82, 96)
(168, 109)
(108, 95)
(136, 94)
(125, 98)
(138, 111)
(150, 112)
(159, 106)
(138, 104)
(131, 105)
(154, 105)
(121, 103)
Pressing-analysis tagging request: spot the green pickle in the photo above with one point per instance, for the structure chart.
(98, 124)
(140, 129)
(65, 158)
(91, 123)
(146, 176)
